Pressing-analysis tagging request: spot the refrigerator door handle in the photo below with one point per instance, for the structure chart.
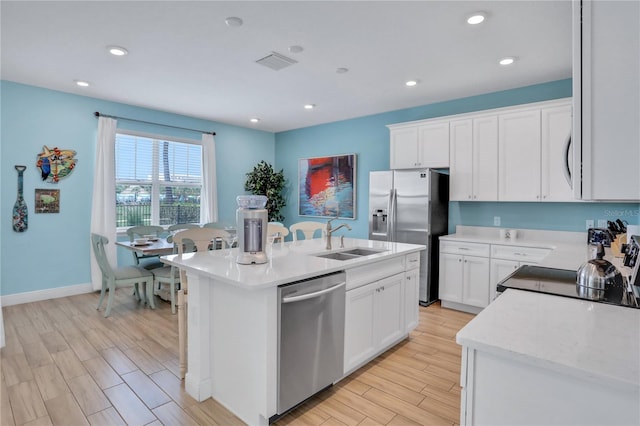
(392, 215)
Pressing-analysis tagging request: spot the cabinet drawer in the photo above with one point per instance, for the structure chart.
(361, 275)
(467, 249)
(521, 254)
(412, 261)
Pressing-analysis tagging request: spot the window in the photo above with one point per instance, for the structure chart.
(158, 180)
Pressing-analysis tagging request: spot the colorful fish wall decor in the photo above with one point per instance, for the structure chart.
(56, 164)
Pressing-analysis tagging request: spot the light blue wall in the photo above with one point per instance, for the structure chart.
(54, 251)
(369, 139)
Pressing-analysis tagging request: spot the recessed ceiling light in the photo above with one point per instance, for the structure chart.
(476, 18)
(296, 49)
(342, 70)
(233, 21)
(411, 83)
(117, 50)
(507, 61)
(255, 120)
(309, 106)
(81, 83)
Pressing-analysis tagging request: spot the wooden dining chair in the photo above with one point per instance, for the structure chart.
(123, 276)
(276, 232)
(203, 239)
(308, 229)
(139, 232)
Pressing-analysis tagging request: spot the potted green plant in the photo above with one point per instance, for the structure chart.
(263, 180)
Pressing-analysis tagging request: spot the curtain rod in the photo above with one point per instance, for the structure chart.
(97, 114)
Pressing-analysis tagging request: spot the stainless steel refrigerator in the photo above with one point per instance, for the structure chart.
(411, 206)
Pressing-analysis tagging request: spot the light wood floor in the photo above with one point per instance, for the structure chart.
(64, 364)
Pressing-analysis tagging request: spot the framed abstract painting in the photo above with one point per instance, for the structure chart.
(327, 186)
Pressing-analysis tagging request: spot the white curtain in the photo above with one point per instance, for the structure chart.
(209, 196)
(103, 206)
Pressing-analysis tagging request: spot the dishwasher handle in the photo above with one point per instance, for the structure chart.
(291, 299)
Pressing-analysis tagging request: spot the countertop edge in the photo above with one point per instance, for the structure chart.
(471, 338)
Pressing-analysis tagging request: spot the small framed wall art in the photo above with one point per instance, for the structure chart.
(47, 201)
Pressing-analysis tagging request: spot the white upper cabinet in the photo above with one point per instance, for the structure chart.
(474, 159)
(420, 145)
(606, 88)
(557, 154)
(519, 153)
(404, 148)
(519, 156)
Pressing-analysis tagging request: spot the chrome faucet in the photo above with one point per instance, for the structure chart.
(331, 230)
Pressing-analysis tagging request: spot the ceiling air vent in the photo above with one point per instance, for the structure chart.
(276, 61)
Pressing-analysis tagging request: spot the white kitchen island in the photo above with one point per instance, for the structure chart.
(232, 317)
(532, 358)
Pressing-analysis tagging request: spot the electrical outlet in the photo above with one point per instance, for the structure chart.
(589, 224)
(496, 221)
(602, 223)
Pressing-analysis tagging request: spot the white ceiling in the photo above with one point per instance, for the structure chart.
(184, 59)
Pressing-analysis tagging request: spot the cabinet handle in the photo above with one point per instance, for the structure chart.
(459, 260)
(475, 197)
(520, 254)
(465, 261)
(464, 248)
(408, 278)
(469, 196)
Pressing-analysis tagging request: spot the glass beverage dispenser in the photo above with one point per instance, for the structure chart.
(252, 220)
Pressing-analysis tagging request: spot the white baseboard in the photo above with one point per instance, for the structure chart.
(51, 293)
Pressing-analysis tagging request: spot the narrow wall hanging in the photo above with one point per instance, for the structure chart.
(20, 212)
(56, 164)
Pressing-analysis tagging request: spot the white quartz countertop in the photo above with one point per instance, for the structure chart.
(592, 341)
(289, 262)
(569, 249)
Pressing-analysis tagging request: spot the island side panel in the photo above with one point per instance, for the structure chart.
(244, 347)
(500, 390)
(198, 376)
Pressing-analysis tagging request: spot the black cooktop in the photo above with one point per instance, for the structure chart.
(560, 282)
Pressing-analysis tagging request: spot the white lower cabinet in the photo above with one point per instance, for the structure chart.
(374, 319)
(464, 279)
(411, 297)
(500, 269)
(464, 274)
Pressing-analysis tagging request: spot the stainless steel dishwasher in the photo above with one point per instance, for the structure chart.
(310, 337)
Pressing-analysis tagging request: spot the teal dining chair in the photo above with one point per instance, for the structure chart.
(149, 262)
(123, 276)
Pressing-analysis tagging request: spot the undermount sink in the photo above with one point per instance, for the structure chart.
(338, 256)
(349, 254)
(362, 251)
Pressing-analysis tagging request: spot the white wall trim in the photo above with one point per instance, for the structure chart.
(51, 293)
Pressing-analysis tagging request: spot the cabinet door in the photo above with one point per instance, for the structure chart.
(359, 333)
(433, 145)
(499, 270)
(450, 280)
(404, 148)
(461, 160)
(608, 98)
(485, 158)
(411, 306)
(519, 156)
(475, 274)
(389, 312)
(557, 154)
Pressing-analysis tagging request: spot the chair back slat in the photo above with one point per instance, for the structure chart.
(201, 238)
(142, 230)
(308, 229)
(98, 242)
